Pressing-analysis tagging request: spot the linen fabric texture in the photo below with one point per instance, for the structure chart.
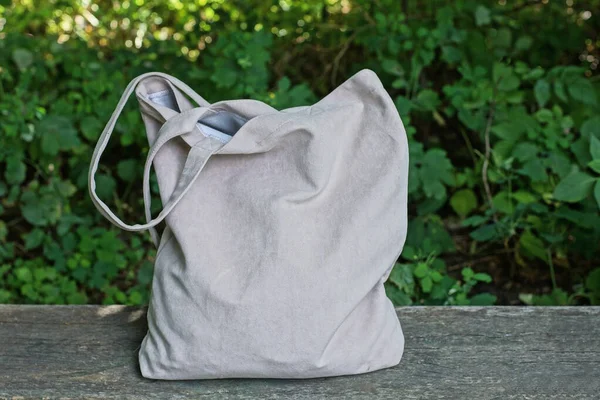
(276, 243)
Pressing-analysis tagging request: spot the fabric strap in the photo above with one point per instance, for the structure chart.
(176, 126)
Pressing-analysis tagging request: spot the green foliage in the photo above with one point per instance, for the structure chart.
(590, 290)
(463, 202)
(499, 100)
(424, 280)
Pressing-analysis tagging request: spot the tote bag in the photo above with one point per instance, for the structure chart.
(280, 229)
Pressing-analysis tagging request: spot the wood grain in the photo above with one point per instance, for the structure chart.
(451, 352)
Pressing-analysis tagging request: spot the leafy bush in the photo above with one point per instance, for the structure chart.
(500, 102)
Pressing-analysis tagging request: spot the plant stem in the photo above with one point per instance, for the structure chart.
(486, 160)
(469, 146)
(551, 264)
(338, 57)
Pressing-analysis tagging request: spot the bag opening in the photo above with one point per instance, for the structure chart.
(222, 126)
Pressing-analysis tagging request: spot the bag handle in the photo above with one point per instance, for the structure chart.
(197, 158)
(174, 127)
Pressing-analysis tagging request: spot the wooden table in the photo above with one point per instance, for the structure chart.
(451, 352)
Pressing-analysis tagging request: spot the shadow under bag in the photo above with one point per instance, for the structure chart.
(281, 229)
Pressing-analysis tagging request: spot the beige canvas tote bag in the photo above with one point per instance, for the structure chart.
(281, 228)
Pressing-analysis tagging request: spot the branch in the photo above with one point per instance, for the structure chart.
(486, 161)
(524, 5)
(339, 56)
(336, 62)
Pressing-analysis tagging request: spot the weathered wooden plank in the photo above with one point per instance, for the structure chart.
(475, 353)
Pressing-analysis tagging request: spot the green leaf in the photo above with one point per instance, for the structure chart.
(50, 145)
(65, 188)
(135, 298)
(399, 83)
(595, 147)
(485, 233)
(69, 242)
(534, 74)
(574, 187)
(502, 39)
(24, 274)
(426, 284)
(597, 192)
(126, 169)
(436, 276)
(523, 43)
(409, 253)
(105, 186)
(463, 202)
(542, 92)
(483, 299)
(5, 296)
(3, 234)
(451, 54)
(287, 96)
(503, 203)
(504, 77)
(428, 100)
(431, 171)
(77, 298)
(535, 170)
(404, 106)
(582, 89)
(57, 134)
(397, 296)
(592, 282)
(482, 277)
(23, 58)
(526, 298)
(475, 220)
(544, 115)
(66, 222)
(402, 277)
(91, 127)
(533, 246)
(595, 165)
(440, 291)
(392, 67)
(422, 270)
(467, 273)
(482, 16)
(559, 163)
(429, 236)
(526, 151)
(524, 197)
(581, 149)
(144, 275)
(53, 251)
(591, 127)
(559, 90)
(34, 239)
(15, 170)
(438, 264)
(510, 131)
(567, 123)
(558, 297)
(41, 208)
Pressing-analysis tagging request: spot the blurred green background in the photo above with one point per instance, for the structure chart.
(500, 100)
